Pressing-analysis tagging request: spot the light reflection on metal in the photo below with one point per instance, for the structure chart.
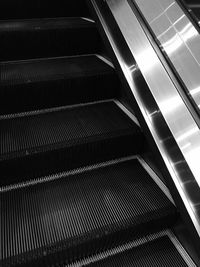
(178, 37)
(195, 91)
(172, 45)
(169, 120)
(171, 105)
(146, 59)
(189, 133)
(168, 100)
(188, 32)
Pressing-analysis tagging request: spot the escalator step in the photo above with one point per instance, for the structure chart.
(44, 83)
(39, 38)
(81, 214)
(23, 9)
(84, 134)
(157, 253)
(34, 133)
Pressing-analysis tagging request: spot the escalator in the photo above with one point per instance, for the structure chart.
(77, 187)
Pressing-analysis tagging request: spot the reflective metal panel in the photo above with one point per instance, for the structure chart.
(171, 124)
(178, 38)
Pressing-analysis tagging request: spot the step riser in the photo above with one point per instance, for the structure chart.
(43, 164)
(56, 93)
(161, 251)
(49, 43)
(57, 255)
(10, 9)
(83, 213)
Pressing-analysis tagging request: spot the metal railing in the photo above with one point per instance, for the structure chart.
(164, 112)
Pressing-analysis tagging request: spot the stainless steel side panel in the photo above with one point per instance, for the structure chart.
(179, 39)
(169, 108)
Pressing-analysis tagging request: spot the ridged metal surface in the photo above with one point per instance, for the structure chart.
(45, 83)
(40, 38)
(157, 253)
(67, 213)
(44, 24)
(31, 71)
(107, 257)
(39, 219)
(30, 134)
(42, 9)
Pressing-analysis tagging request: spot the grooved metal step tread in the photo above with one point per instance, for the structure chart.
(157, 253)
(53, 37)
(31, 71)
(41, 24)
(95, 209)
(45, 131)
(10, 9)
(46, 83)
